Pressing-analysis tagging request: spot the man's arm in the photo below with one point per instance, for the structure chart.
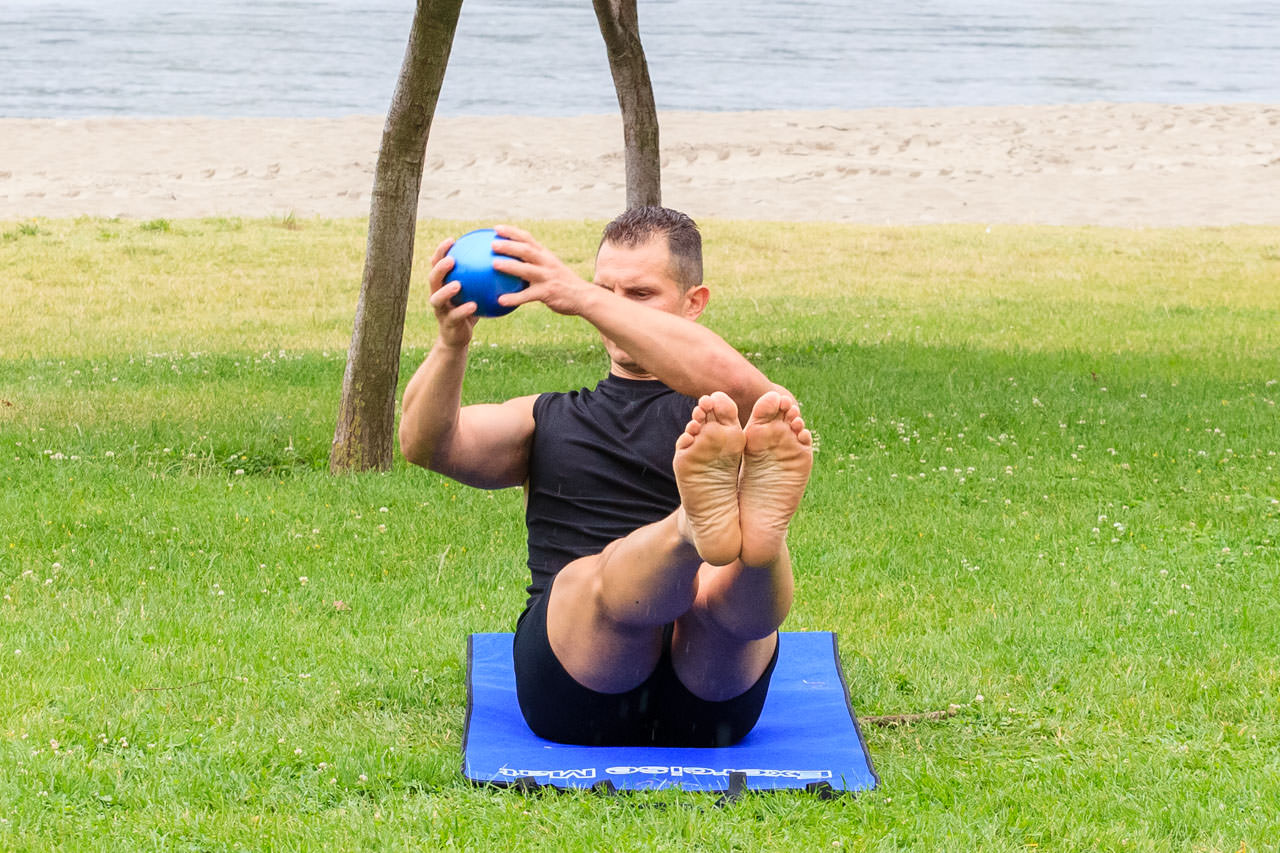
(687, 356)
(483, 445)
(683, 354)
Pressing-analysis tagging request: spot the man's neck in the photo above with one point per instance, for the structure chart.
(621, 372)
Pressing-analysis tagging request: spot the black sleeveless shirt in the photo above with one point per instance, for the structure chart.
(599, 467)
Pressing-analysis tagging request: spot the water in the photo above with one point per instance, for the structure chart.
(76, 58)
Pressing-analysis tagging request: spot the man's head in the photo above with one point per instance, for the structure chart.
(641, 225)
(653, 256)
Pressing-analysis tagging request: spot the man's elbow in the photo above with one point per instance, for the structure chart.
(411, 448)
(746, 384)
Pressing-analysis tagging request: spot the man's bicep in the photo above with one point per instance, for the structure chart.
(490, 448)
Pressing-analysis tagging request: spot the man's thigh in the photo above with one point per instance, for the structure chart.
(713, 664)
(558, 708)
(597, 651)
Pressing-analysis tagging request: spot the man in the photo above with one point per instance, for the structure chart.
(657, 503)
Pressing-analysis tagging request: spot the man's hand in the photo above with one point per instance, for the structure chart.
(456, 321)
(551, 282)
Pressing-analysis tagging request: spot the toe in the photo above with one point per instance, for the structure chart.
(723, 408)
(766, 407)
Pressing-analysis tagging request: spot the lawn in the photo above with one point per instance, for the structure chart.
(1047, 491)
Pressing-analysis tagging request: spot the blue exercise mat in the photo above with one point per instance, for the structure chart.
(807, 736)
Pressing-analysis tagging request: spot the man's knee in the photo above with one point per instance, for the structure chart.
(738, 619)
(734, 624)
(582, 595)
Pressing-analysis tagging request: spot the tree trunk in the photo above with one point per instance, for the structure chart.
(366, 418)
(619, 24)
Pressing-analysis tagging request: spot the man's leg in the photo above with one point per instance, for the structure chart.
(726, 639)
(606, 611)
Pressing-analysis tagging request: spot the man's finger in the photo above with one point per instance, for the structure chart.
(439, 269)
(519, 269)
(462, 312)
(520, 297)
(514, 249)
(443, 294)
(519, 235)
(443, 249)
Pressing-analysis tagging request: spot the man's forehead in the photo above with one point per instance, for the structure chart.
(651, 258)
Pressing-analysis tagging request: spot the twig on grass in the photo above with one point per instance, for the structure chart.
(440, 567)
(905, 719)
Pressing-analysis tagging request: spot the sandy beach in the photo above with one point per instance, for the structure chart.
(1101, 164)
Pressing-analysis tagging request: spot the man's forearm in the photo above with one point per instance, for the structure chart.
(432, 400)
(683, 354)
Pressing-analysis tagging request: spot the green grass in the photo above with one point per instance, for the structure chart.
(1047, 476)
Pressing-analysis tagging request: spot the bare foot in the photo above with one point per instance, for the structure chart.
(708, 456)
(775, 469)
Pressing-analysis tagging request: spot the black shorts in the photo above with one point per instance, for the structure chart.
(659, 712)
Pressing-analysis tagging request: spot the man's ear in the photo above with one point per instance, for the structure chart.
(695, 301)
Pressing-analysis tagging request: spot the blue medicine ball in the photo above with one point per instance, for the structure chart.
(473, 259)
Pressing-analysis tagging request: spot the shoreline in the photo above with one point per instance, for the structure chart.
(1091, 164)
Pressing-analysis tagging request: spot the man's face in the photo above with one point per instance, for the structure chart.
(642, 274)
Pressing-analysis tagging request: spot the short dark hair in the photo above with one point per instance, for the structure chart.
(639, 225)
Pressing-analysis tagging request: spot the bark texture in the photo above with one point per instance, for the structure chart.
(619, 24)
(365, 433)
